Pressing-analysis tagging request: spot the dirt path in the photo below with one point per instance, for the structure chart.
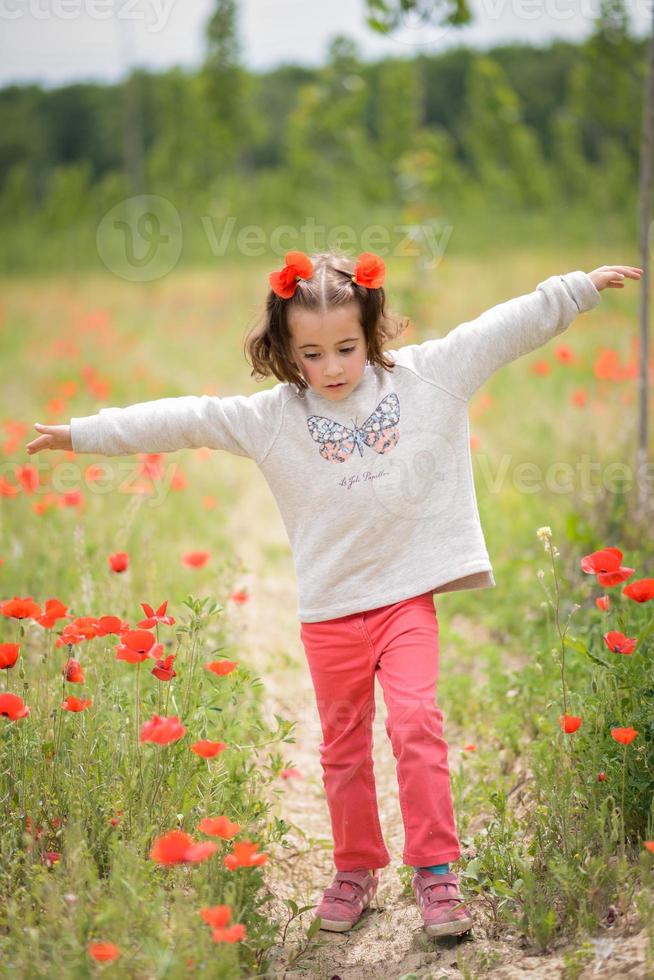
(390, 942)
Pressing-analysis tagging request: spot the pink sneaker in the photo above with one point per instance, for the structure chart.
(439, 899)
(342, 904)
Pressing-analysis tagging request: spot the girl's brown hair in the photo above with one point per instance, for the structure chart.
(267, 346)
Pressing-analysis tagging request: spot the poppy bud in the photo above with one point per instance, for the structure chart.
(601, 776)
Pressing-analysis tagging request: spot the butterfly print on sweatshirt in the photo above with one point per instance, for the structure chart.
(379, 432)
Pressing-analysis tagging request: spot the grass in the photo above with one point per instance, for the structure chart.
(548, 847)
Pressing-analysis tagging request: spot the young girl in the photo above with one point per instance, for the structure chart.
(367, 455)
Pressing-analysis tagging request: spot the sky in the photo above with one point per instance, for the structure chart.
(55, 42)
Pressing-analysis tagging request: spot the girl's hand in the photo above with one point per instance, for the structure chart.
(613, 276)
(52, 437)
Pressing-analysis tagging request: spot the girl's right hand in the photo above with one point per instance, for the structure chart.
(52, 437)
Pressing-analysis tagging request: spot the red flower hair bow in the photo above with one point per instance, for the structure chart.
(284, 282)
(370, 271)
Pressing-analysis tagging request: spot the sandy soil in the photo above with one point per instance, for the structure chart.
(389, 941)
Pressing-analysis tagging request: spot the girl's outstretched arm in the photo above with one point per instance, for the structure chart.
(245, 425)
(470, 353)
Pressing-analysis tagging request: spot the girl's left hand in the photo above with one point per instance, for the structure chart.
(613, 276)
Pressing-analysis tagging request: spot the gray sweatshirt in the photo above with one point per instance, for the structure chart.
(376, 491)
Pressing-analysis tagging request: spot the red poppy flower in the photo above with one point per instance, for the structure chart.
(284, 281)
(196, 559)
(104, 952)
(13, 707)
(119, 561)
(73, 672)
(136, 646)
(207, 749)
(579, 397)
(564, 354)
(603, 602)
(241, 596)
(50, 858)
(163, 669)
(605, 560)
(155, 617)
(161, 730)
(75, 704)
(640, 591)
(219, 827)
(20, 608)
(369, 271)
(294, 773)
(28, 477)
(606, 565)
(244, 856)
(176, 847)
(216, 915)
(70, 635)
(8, 655)
(619, 643)
(221, 667)
(54, 610)
(624, 735)
(233, 934)
(110, 624)
(569, 723)
(601, 776)
(649, 844)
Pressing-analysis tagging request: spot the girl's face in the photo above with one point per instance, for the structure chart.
(329, 349)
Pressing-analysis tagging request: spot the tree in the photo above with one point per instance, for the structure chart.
(387, 15)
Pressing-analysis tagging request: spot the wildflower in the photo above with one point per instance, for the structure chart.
(240, 596)
(54, 610)
(8, 655)
(110, 624)
(619, 643)
(104, 952)
(606, 565)
(20, 608)
(73, 672)
(293, 773)
(624, 735)
(244, 856)
(196, 559)
(75, 704)
(219, 827)
(50, 858)
(470, 748)
(231, 935)
(216, 915)
(176, 847)
(544, 533)
(155, 617)
(119, 561)
(640, 591)
(162, 731)
(137, 645)
(649, 844)
(221, 667)
(207, 749)
(13, 707)
(601, 776)
(569, 723)
(603, 602)
(163, 669)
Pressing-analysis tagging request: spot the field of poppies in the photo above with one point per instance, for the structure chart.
(142, 782)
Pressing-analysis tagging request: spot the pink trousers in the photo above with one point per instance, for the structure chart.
(399, 642)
